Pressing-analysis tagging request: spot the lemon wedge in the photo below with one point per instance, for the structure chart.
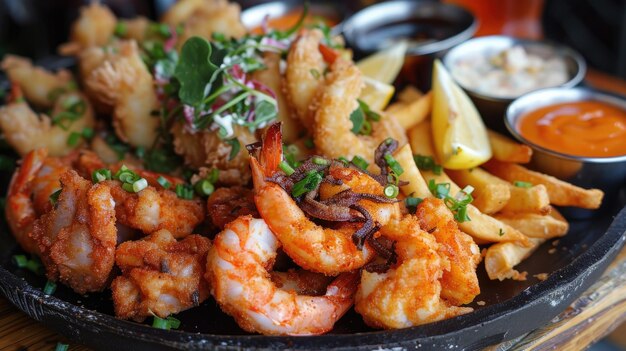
(384, 65)
(459, 135)
(376, 94)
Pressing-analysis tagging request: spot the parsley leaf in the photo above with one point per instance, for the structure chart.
(195, 70)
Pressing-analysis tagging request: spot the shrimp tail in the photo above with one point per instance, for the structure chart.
(272, 150)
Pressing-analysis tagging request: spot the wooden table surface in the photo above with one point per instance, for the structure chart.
(590, 318)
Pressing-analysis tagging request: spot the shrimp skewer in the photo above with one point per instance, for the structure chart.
(311, 246)
(237, 271)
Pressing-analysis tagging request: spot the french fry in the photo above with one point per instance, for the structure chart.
(409, 94)
(531, 200)
(481, 226)
(561, 193)
(409, 114)
(421, 140)
(490, 194)
(501, 258)
(416, 184)
(507, 150)
(534, 225)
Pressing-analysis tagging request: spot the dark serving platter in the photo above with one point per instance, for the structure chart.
(510, 309)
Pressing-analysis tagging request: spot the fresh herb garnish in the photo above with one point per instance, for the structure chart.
(427, 163)
(501, 232)
(33, 264)
(49, 288)
(411, 203)
(457, 204)
(101, 175)
(184, 191)
(235, 146)
(54, 197)
(361, 119)
(521, 184)
(61, 347)
(308, 183)
(165, 323)
(360, 162)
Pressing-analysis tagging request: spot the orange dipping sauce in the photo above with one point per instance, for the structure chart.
(290, 19)
(583, 128)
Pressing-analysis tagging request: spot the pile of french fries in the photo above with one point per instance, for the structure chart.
(512, 209)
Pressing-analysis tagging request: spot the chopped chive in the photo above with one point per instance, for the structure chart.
(204, 187)
(320, 161)
(165, 323)
(164, 182)
(315, 73)
(308, 183)
(521, 184)
(501, 232)
(285, 167)
(54, 197)
(20, 260)
(360, 162)
(128, 187)
(139, 185)
(412, 201)
(184, 191)
(140, 152)
(88, 133)
(49, 288)
(427, 163)
(391, 191)
(235, 146)
(174, 323)
(308, 143)
(393, 164)
(61, 347)
(343, 160)
(73, 139)
(33, 264)
(120, 29)
(101, 175)
(214, 176)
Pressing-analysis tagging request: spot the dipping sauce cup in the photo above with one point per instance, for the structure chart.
(429, 27)
(592, 130)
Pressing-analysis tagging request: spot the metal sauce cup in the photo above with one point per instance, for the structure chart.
(430, 27)
(493, 108)
(605, 173)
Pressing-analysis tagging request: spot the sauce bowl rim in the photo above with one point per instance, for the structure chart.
(348, 25)
(560, 49)
(519, 107)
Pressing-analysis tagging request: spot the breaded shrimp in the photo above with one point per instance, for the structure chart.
(409, 293)
(25, 130)
(206, 149)
(29, 192)
(36, 83)
(160, 276)
(271, 78)
(310, 245)
(125, 83)
(94, 27)
(335, 102)
(459, 283)
(153, 209)
(237, 271)
(301, 81)
(226, 204)
(77, 238)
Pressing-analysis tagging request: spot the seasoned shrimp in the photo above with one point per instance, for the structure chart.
(271, 78)
(205, 17)
(29, 192)
(409, 293)
(301, 82)
(311, 246)
(301, 282)
(226, 204)
(337, 99)
(125, 83)
(36, 83)
(459, 283)
(237, 271)
(94, 27)
(151, 210)
(160, 275)
(77, 238)
(25, 130)
(206, 149)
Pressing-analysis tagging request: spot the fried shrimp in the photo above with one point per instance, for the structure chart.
(336, 100)
(226, 204)
(408, 293)
(459, 283)
(160, 276)
(29, 192)
(151, 210)
(94, 27)
(205, 17)
(312, 246)
(237, 271)
(36, 83)
(301, 81)
(206, 149)
(25, 130)
(124, 82)
(77, 238)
